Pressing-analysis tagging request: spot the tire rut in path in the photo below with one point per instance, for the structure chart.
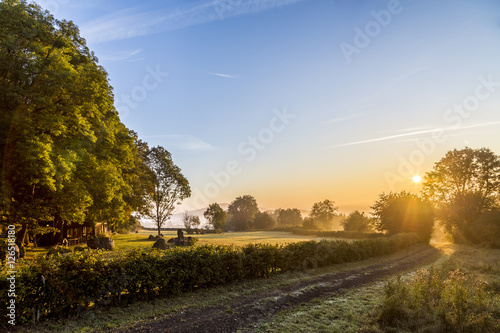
(252, 309)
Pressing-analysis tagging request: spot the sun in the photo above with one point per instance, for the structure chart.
(417, 179)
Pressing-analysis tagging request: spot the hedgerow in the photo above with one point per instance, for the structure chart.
(337, 234)
(65, 284)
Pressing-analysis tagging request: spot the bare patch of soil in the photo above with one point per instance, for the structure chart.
(244, 312)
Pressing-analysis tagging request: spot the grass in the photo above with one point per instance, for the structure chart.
(359, 310)
(127, 242)
(121, 318)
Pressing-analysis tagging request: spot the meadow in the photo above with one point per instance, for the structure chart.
(139, 240)
(304, 300)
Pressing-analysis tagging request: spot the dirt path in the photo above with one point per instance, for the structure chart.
(249, 310)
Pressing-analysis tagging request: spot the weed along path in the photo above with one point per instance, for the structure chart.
(246, 312)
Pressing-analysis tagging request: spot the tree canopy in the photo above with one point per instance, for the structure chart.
(241, 213)
(322, 213)
(357, 221)
(169, 186)
(464, 185)
(65, 155)
(216, 216)
(403, 212)
(289, 217)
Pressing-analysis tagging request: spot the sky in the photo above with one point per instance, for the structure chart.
(297, 101)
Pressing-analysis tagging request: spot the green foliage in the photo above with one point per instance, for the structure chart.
(464, 184)
(58, 250)
(169, 186)
(403, 212)
(64, 154)
(75, 281)
(446, 301)
(337, 234)
(241, 213)
(216, 216)
(263, 221)
(357, 221)
(322, 213)
(485, 230)
(289, 217)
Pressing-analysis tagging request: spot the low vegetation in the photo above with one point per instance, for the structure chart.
(62, 285)
(459, 293)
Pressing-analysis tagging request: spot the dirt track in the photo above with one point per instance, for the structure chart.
(244, 312)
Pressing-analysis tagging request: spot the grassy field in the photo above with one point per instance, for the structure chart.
(117, 319)
(352, 310)
(127, 242)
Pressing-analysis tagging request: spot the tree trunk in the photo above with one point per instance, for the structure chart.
(21, 236)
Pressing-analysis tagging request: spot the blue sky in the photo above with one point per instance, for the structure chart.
(299, 101)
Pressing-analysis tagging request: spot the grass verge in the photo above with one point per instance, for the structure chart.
(459, 293)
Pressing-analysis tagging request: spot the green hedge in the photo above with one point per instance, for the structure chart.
(338, 234)
(77, 281)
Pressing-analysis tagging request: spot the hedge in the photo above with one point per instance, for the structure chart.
(65, 284)
(338, 234)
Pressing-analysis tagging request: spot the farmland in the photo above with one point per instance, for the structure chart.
(342, 297)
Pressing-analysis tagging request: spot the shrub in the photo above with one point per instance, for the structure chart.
(446, 301)
(485, 230)
(77, 281)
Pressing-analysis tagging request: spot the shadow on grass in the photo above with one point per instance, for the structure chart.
(141, 240)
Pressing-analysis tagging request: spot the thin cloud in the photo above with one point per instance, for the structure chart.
(223, 75)
(427, 131)
(183, 142)
(131, 23)
(123, 56)
(340, 119)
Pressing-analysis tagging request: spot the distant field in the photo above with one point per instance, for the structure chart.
(228, 238)
(127, 242)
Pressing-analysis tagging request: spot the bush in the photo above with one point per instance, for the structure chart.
(485, 230)
(338, 234)
(446, 301)
(76, 281)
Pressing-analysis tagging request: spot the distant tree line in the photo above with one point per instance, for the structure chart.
(461, 194)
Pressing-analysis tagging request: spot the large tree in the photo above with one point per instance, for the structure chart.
(263, 221)
(65, 155)
(464, 184)
(289, 217)
(357, 221)
(403, 212)
(169, 186)
(241, 213)
(216, 216)
(323, 213)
